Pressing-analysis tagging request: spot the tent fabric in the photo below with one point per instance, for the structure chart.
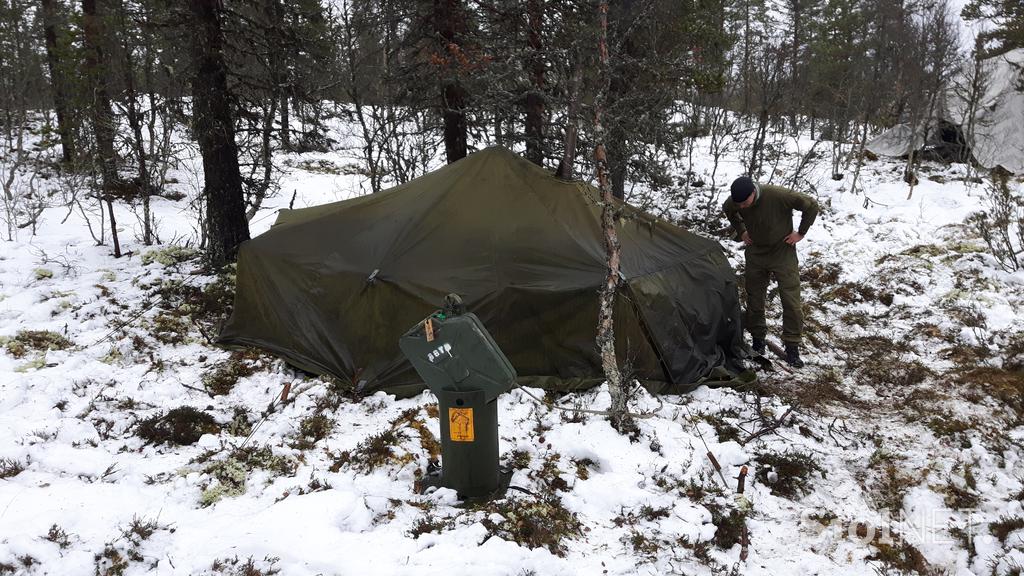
(331, 288)
(997, 137)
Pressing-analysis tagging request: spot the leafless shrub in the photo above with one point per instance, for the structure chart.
(1002, 224)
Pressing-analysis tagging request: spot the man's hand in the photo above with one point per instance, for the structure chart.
(793, 238)
(746, 238)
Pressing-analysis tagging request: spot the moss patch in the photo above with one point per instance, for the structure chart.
(374, 452)
(723, 429)
(26, 341)
(110, 562)
(947, 426)
(201, 306)
(229, 476)
(429, 525)
(789, 474)
(240, 424)
(534, 523)
(729, 526)
(313, 429)
(222, 379)
(180, 426)
(169, 256)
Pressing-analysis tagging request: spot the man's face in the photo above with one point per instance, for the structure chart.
(749, 201)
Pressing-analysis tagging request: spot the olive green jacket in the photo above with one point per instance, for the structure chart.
(770, 218)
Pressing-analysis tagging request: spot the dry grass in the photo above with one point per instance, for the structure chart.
(9, 468)
(1005, 526)
(895, 553)
(883, 363)
(816, 393)
(386, 448)
(1003, 385)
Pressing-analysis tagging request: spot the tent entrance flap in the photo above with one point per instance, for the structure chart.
(642, 320)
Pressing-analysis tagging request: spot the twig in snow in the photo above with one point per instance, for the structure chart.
(831, 426)
(772, 426)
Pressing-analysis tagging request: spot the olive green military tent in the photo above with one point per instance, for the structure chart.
(331, 288)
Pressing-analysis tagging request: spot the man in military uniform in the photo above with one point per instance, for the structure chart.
(762, 217)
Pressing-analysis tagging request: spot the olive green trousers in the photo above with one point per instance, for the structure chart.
(762, 263)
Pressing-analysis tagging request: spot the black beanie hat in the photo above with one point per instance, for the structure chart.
(741, 189)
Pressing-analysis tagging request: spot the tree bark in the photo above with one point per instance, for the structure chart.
(605, 318)
(535, 97)
(279, 67)
(226, 226)
(113, 227)
(621, 83)
(565, 166)
(102, 115)
(58, 81)
(286, 126)
(453, 95)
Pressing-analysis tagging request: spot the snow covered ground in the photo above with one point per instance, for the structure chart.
(896, 450)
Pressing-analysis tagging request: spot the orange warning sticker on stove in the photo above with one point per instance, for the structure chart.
(460, 424)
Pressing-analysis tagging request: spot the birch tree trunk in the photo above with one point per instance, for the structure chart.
(605, 318)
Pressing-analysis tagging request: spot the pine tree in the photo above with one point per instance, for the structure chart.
(58, 79)
(1008, 17)
(226, 225)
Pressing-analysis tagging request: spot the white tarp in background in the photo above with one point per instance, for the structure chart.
(998, 138)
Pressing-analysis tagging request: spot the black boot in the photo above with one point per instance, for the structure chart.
(793, 356)
(758, 346)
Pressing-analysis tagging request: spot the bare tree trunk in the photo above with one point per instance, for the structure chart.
(135, 122)
(914, 159)
(756, 156)
(572, 125)
(605, 319)
(286, 128)
(453, 95)
(978, 84)
(535, 97)
(746, 56)
(17, 150)
(369, 124)
(58, 81)
(113, 226)
(226, 225)
(860, 154)
(102, 115)
(279, 68)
